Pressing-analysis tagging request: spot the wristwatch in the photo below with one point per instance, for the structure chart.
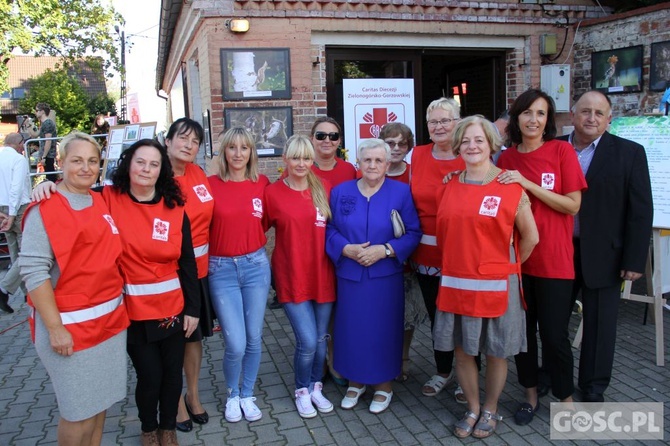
(387, 249)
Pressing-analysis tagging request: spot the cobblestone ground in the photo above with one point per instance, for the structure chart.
(28, 412)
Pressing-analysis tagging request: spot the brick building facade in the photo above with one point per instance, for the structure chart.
(493, 45)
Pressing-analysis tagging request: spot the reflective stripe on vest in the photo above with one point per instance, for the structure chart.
(460, 283)
(78, 316)
(153, 288)
(429, 240)
(200, 251)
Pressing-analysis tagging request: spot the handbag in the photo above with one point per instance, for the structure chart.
(398, 224)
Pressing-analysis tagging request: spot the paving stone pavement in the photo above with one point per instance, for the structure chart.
(29, 415)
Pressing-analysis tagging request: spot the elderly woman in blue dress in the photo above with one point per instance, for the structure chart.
(368, 260)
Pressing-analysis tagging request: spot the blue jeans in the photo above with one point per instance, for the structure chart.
(239, 292)
(309, 321)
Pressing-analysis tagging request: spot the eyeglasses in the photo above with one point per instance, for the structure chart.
(333, 136)
(443, 122)
(401, 145)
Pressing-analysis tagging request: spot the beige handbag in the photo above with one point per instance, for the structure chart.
(398, 225)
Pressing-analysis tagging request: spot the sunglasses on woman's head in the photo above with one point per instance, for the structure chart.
(333, 136)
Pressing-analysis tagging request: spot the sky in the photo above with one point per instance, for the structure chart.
(142, 17)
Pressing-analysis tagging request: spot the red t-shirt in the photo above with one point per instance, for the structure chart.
(301, 268)
(199, 207)
(425, 182)
(555, 166)
(343, 171)
(237, 222)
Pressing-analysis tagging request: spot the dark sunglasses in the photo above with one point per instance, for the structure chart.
(333, 136)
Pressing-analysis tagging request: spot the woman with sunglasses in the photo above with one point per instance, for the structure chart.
(326, 137)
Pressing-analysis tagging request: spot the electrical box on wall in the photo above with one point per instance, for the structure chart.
(555, 81)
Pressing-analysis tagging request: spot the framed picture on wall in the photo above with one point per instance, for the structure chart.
(618, 70)
(255, 73)
(271, 127)
(659, 70)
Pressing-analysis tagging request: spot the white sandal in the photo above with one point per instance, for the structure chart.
(437, 383)
(349, 402)
(459, 395)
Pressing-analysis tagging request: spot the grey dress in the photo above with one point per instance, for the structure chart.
(91, 380)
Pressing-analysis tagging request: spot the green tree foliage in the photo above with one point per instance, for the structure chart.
(75, 109)
(72, 29)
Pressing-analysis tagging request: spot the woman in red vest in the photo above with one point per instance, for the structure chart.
(70, 264)
(298, 208)
(159, 270)
(183, 140)
(485, 230)
(550, 171)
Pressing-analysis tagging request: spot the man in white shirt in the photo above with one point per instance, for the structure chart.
(14, 198)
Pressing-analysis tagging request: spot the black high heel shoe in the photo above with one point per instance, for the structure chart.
(185, 426)
(200, 418)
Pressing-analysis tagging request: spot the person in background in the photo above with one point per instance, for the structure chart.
(76, 289)
(430, 163)
(183, 142)
(501, 127)
(400, 139)
(14, 199)
(548, 170)
(612, 232)
(100, 126)
(47, 150)
(479, 305)
(298, 208)
(369, 261)
(239, 271)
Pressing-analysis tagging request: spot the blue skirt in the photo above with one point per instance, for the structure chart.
(368, 331)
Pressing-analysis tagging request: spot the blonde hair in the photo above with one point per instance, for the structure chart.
(299, 146)
(75, 136)
(490, 133)
(447, 104)
(242, 136)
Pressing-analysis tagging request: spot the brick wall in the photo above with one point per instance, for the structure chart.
(640, 27)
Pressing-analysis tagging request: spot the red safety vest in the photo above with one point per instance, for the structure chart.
(87, 248)
(199, 208)
(475, 224)
(151, 236)
(426, 180)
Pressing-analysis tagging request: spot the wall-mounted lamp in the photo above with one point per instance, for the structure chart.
(237, 25)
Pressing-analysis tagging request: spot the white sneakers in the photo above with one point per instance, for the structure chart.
(233, 411)
(250, 409)
(236, 406)
(307, 404)
(303, 402)
(320, 402)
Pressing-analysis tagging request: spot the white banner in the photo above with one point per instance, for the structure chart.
(369, 104)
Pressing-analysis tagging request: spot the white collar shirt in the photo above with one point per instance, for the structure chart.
(14, 180)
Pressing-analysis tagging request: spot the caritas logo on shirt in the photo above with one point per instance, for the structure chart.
(202, 193)
(320, 219)
(110, 220)
(257, 203)
(489, 206)
(548, 181)
(161, 229)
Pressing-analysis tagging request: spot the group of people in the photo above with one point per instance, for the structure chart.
(173, 249)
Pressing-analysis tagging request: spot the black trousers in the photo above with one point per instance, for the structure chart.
(50, 166)
(159, 380)
(430, 285)
(549, 304)
(600, 309)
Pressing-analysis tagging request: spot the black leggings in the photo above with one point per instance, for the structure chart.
(159, 380)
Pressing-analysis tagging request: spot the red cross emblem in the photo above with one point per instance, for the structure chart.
(373, 122)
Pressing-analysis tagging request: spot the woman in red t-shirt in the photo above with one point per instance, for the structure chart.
(297, 206)
(549, 171)
(239, 271)
(326, 138)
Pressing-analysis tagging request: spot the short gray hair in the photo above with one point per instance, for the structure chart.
(373, 143)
